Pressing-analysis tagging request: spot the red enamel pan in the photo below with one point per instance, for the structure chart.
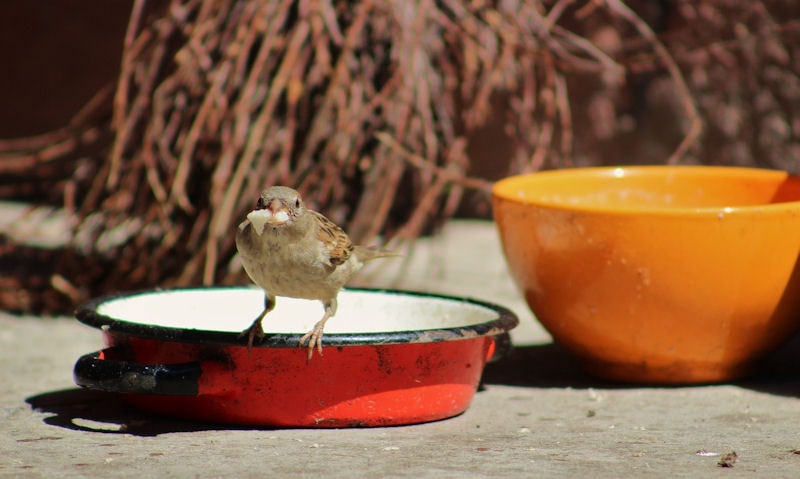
(389, 357)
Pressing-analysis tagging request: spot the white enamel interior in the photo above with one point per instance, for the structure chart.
(233, 310)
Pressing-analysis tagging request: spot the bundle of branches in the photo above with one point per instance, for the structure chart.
(366, 107)
(739, 62)
(742, 63)
(363, 106)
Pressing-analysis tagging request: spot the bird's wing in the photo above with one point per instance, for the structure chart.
(337, 243)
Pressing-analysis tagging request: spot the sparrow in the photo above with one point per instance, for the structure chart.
(290, 250)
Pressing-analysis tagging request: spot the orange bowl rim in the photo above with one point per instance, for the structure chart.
(505, 189)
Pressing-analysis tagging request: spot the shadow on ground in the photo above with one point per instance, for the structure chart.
(102, 412)
(549, 366)
(541, 366)
(780, 373)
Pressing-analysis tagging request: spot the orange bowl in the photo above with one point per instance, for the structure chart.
(657, 274)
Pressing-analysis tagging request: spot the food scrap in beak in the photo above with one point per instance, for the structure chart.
(275, 214)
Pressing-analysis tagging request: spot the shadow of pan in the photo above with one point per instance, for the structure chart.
(102, 412)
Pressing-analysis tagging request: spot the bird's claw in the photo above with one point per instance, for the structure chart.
(314, 339)
(255, 330)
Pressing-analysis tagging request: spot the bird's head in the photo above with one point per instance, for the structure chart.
(277, 207)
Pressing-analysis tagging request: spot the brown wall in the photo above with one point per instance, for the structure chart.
(55, 55)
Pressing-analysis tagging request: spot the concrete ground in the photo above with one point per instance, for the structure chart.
(537, 415)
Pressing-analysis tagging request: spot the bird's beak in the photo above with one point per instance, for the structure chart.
(275, 215)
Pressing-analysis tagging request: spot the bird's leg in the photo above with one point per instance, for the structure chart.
(255, 329)
(314, 337)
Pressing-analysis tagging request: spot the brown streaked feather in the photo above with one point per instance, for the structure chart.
(336, 241)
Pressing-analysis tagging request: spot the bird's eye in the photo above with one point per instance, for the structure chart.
(297, 202)
(260, 204)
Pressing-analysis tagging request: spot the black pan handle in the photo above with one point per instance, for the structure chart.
(97, 371)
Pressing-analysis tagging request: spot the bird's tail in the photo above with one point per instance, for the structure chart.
(366, 253)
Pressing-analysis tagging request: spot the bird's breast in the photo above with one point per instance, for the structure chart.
(294, 269)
